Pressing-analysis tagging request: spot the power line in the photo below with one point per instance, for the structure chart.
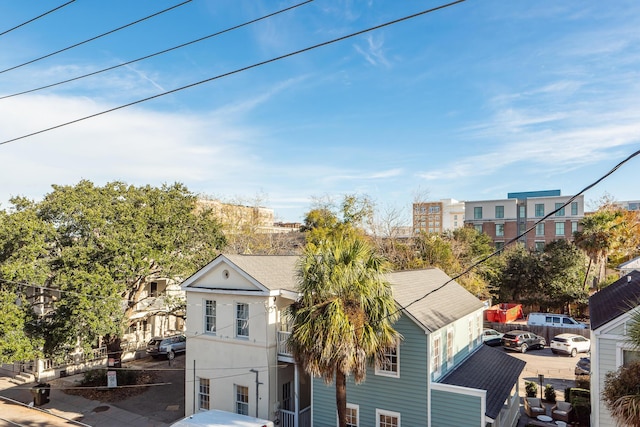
(95, 38)
(36, 18)
(239, 70)
(481, 261)
(159, 52)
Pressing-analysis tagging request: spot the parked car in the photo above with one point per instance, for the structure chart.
(167, 346)
(552, 319)
(571, 344)
(522, 341)
(492, 337)
(583, 367)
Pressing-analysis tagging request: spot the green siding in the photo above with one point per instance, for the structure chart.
(606, 363)
(406, 394)
(446, 409)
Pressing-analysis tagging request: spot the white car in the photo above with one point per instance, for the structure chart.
(571, 344)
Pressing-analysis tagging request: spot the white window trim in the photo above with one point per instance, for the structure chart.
(451, 341)
(237, 402)
(479, 328)
(388, 413)
(436, 370)
(204, 316)
(352, 406)
(203, 394)
(243, 337)
(396, 374)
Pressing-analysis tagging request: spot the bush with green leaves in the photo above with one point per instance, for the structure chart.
(531, 388)
(549, 393)
(621, 394)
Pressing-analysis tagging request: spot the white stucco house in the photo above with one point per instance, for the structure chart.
(611, 310)
(629, 266)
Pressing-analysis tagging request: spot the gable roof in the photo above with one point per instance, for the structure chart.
(272, 271)
(438, 309)
(615, 300)
(491, 370)
(632, 264)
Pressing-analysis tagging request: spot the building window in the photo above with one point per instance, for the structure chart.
(470, 325)
(434, 209)
(539, 246)
(455, 217)
(523, 211)
(449, 347)
(242, 320)
(559, 228)
(499, 229)
(477, 212)
(574, 208)
(387, 418)
(204, 394)
(521, 227)
(499, 246)
(153, 289)
(540, 229)
(352, 415)
(499, 211)
(629, 356)
(539, 209)
(478, 228)
(561, 209)
(242, 400)
(479, 326)
(210, 316)
(436, 361)
(389, 366)
(574, 226)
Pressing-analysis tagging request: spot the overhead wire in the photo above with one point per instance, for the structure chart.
(96, 37)
(238, 70)
(159, 52)
(519, 236)
(36, 18)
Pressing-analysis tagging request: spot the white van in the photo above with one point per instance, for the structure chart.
(216, 418)
(552, 319)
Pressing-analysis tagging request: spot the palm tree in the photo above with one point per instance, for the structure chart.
(343, 319)
(597, 238)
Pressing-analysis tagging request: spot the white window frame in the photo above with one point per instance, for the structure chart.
(204, 395)
(386, 413)
(563, 228)
(244, 328)
(540, 229)
(352, 406)
(479, 327)
(390, 372)
(436, 356)
(450, 347)
(241, 403)
(209, 316)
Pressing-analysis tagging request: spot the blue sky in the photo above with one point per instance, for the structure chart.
(469, 102)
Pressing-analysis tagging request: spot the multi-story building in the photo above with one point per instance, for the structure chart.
(506, 219)
(436, 217)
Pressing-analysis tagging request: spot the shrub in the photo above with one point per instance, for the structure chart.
(531, 388)
(620, 393)
(549, 393)
(583, 381)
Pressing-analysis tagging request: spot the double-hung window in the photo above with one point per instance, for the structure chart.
(210, 316)
(574, 208)
(204, 394)
(499, 211)
(242, 400)
(242, 320)
(449, 348)
(559, 228)
(539, 209)
(352, 415)
(561, 209)
(390, 365)
(387, 418)
(499, 229)
(436, 356)
(478, 228)
(540, 229)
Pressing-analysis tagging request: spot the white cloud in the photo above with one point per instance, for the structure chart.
(373, 52)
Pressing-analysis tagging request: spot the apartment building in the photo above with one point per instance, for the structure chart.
(436, 217)
(506, 219)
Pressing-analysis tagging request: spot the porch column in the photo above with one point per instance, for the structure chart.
(296, 393)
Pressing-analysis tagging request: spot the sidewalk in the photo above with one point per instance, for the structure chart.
(63, 407)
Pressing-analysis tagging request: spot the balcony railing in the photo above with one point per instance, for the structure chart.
(283, 348)
(288, 418)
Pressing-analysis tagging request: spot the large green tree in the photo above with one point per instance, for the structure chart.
(344, 317)
(94, 248)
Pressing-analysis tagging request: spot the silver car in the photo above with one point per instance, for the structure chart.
(167, 346)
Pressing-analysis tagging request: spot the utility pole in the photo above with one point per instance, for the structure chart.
(258, 383)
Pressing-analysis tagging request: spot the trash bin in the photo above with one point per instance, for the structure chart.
(40, 393)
